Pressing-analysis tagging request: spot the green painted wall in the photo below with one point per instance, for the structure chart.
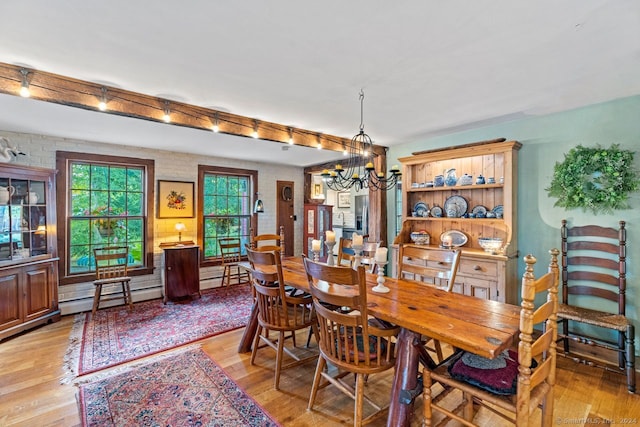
(545, 140)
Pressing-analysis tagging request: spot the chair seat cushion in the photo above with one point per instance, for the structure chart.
(372, 342)
(593, 317)
(498, 376)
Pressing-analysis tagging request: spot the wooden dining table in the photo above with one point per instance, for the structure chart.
(480, 326)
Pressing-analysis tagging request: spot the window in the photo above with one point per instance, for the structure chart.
(106, 204)
(225, 195)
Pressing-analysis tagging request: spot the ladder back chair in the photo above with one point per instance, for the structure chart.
(111, 269)
(348, 341)
(268, 242)
(278, 311)
(594, 268)
(433, 267)
(231, 254)
(516, 383)
(346, 254)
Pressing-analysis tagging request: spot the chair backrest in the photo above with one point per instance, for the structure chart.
(268, 242)
(230, 250)
(346, 255)
(594, 264)
(434, 266)
(267, 280)
(344, 337)
(541, 382)
(111, 262)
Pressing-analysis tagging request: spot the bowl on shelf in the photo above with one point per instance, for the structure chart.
(420, 237)
(492, 245)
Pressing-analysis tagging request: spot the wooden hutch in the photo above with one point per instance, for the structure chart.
(482, 274)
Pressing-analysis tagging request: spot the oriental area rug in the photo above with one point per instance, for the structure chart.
(186, 389)
(117, 335)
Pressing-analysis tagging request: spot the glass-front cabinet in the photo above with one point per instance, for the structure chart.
(28, 255)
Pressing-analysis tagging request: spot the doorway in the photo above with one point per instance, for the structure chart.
(284, 209)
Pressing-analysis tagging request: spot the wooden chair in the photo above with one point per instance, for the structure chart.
(268, 242)
(432, 266)
(111, 268)
(522, 385)
(348, 341)
(230, 252)
(594, 268)
(346, 255)
(278, 310)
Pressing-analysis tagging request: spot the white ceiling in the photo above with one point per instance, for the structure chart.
(427, 67)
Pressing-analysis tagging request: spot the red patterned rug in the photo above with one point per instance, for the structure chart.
(187, 389)
(116, 335)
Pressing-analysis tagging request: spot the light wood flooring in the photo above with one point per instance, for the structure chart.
(31, 366)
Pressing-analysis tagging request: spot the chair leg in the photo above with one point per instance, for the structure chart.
(96, 299)
(128, 290)
(357, 413)
(256, 342)
(225, 275)
(279, 357)
(316, 381)
(630, 356)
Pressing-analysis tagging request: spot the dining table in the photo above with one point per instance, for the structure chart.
(468, 323)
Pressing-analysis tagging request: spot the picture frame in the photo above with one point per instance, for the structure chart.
(344, 199)
(175, 199)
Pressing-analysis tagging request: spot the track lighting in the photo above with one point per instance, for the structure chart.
(102, 106)
(255, 129)
(319, 143)
(215, 127)
(167, 113)
(290, 136)
(24, 88)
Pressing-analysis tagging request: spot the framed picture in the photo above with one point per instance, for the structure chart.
(175, 199)
(344, 199)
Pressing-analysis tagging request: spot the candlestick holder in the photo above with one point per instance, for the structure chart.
(316, 256)
(357, 255)
(330, 246)
(380, 287)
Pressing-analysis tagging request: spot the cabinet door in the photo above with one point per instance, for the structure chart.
(182, 275)
(10, 299)
(38, 290)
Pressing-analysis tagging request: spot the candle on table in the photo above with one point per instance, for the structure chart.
(356, 240)
(315, 245)
(381, 255)
(331, 236)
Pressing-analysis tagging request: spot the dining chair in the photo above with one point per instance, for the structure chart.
(278, 311)
(111, 269)
(433, 267)
(346, 254)
(268, 242)
(349, 341)
(231, 254)
(514, 384)
(594, 294)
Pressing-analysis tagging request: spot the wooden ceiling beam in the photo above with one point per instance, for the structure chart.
(49, 87)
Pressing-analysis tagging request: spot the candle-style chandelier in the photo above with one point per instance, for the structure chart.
(357, 171)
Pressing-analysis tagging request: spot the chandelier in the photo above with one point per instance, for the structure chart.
(358, 171)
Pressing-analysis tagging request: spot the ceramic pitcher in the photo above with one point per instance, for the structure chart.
(5, 194)
(450, 177)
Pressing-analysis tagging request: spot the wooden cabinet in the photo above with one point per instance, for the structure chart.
(485, 275)
(180, 272)
(317, 220)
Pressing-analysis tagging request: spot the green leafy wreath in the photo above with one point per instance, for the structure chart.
(597, 179)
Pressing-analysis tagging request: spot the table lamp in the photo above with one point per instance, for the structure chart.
(180, 227)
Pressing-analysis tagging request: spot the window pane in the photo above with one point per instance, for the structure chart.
(99, 177)
(117, 178)
(80, 176)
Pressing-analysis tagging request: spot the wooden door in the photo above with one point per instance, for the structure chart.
(284, 208)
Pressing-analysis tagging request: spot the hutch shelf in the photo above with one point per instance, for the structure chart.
(28, 255)
(482, 274)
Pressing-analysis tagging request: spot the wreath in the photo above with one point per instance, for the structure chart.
(597, 179)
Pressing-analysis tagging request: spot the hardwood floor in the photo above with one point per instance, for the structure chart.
(31, 366)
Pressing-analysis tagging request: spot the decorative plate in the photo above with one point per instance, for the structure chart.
(458, 203)
(420, 209)
(436, 211)
(498, 210)
(458, 238)
(479, 209)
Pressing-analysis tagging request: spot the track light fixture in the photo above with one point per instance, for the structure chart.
(102, 105)
(24, 88)
(290, 136)
(255, 129)
(319, 143)
(215, 126)
(167, 113)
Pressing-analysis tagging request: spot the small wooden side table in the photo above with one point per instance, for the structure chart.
(180, 271)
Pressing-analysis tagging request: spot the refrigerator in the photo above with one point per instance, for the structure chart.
(362, 214)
